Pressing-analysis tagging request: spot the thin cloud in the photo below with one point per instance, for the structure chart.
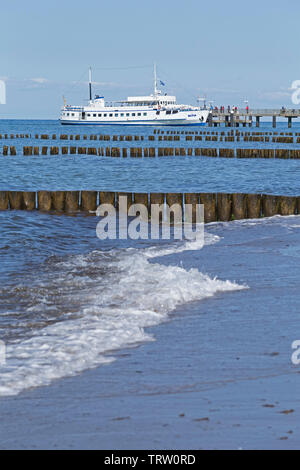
(220, 90)
(40, 81)
(275, 95)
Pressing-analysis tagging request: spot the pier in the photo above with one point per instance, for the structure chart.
(250, 117)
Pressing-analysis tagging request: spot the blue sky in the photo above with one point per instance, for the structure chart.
(229, 51)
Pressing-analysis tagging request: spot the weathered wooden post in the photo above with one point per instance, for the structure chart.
(239, 206)
(29, 200)
(72, 201)
(224, 206)
(88, 200)
(288, 205)
(209, 202)
(270, 205)
(141, 198)
(3, 200)
(157, 198)
(44, 201)
(58, 200)
(129, 200)
(193, 199)
(253, 206)
(175, 199)
(106, 197)
(15, 200)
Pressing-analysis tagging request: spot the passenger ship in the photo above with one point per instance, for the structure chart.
(157, 109)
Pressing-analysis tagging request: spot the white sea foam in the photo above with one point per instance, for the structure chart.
(130, 294)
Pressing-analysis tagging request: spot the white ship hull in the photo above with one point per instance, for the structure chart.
(94, 116)
(179, 122)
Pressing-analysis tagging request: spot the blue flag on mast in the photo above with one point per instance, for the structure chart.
(162, 83)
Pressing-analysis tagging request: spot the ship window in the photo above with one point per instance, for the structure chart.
(67, 114)
(73, 114)
(99, 115)
(95, 115)
(168, 112)
(139, 114)
(104, 115)
(122, 114)
(175, 111)
(116, 115)
(133, 114)
(110, 115)
(145, 114)
(88, 114)
(127, 114)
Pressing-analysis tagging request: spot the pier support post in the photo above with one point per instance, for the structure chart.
(289, 122)
(209, 120)
(250, 121)
(257, 121)
(231, 120)
(226, 121)
(274, 121)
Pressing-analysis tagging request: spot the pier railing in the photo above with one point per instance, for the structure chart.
(285, 112)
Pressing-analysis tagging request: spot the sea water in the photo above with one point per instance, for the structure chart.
(69, 302)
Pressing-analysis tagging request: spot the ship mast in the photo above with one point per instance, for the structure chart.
(155, 81)
(90, 82)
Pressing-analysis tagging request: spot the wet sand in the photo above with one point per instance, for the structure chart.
(150, 399)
